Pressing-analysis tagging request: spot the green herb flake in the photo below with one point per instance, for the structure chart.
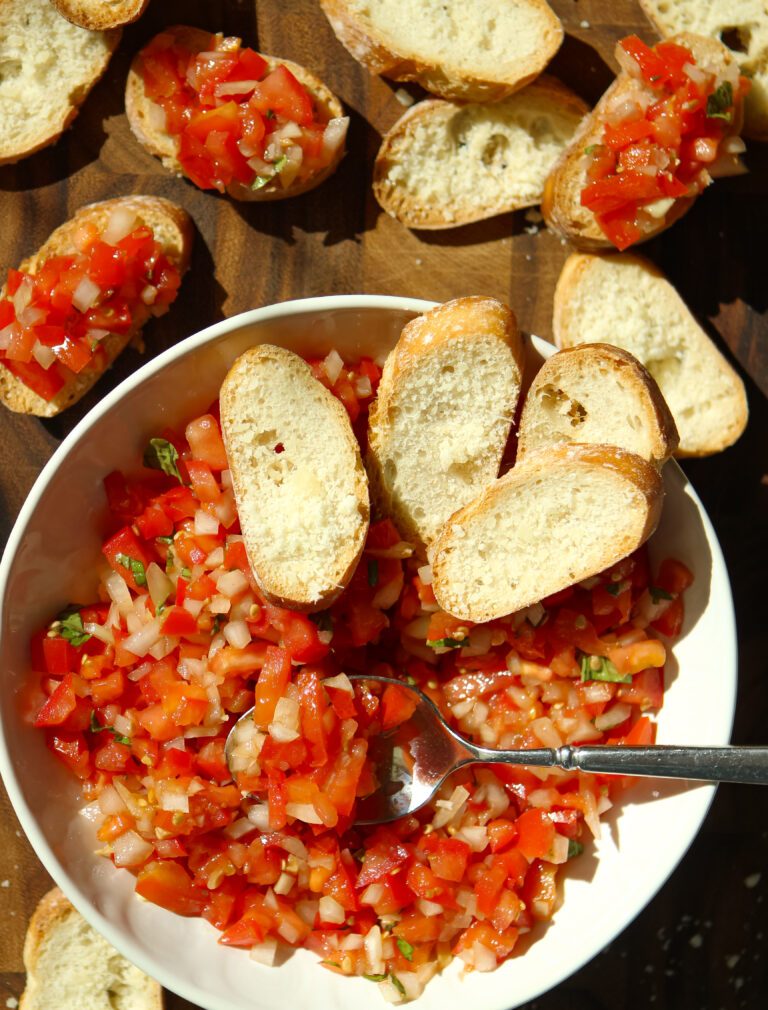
(591, 148)
(405, 948)
(574, 848)
(261, 181)
(322, 620)
(164, 540)
(216, 628)
(135, 567)
(333, 964)
(373, 573)
(397, 984)
(603, 670)
(161, 455)
(376, 978)
(270, 114)
(657, 593)
(169, 562)
(720, 102)
(444, 643)
(281, 162)
(614, 588)
(186, 574)
(96, 727)
(70, 627)
(411, 680)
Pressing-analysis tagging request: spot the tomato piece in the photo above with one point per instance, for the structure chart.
(167, 883)
(282, 94)
(502, 833)
(72, 749)
(270, 687)
(45, 382)
(539, 892)
(206, 443)
(314, 705)
(59, 656)
(59, 705)
(536, 833)
(638, 656)
(646, 689)
(154, 522)
(178, 621)
(674, 577)
(398, 706)
(205, 487)
(127, 557)
(107, 265)
(383, 856)
(447, 857)
(298, 635)
(651, 65)
(626, 132)
(670, 623)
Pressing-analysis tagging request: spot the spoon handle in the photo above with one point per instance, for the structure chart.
(711, 764)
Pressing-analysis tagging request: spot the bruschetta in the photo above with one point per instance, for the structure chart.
(298, 478)
(445, 405)
(562, 515)
(231, 119)
(601, 394)
(662, 131)
(47, 68)
(72, 307)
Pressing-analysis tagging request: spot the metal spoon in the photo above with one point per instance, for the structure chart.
(414, 759)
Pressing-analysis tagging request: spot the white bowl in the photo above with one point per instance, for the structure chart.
(48, 562)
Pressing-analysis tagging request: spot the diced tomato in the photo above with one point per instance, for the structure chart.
(72, 749)
(282, 94)
(178, 621)
(502, 833)
(448, 857)
(59, 706)
(167, 883)
(206, 443)
(536, 833)
(398, 706)
(539, 891)
(45, 382)
(127, 557)
(273, 677)
(59, 656)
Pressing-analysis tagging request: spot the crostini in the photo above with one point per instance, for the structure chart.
(97, 16)
(48, 68)
(562, 515)
(231, 119)
(72, 307)
(445, 164)
(601, 394)
(298, 478)
(662, 131)
(625, 300)
(445, 405)
(471, 50)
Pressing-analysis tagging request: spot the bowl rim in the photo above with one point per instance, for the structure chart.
(51, 862)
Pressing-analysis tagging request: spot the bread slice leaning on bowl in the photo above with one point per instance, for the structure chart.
(49, 67)
(625, 300)
(473, 50)
(172, 229)
(443, 413)
(70, 965)
(299, 482)
(445, 164)
(562, 515)
(600, 394)
(144, 114)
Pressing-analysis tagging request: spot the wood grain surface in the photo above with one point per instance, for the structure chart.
(701, 943)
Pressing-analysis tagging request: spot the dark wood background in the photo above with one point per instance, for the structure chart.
(701, 943)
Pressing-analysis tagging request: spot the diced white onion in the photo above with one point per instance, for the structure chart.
(285, 722)
(265, 952)
(130, 849)
(696, 74)
(429, 908)
(85, 294)
(234, 88)
(121, 223)
(307, 910)
(341, 682)
(475, 836)
(6, 334)
(237, 829)
(332, 365)
(99, 631)
(31, 316)
(450, 808)
(110, 801)
(289, 932)
(374, 955)
(123, 724)
(193, 607)
(627, 63)
(172, 795)
(484, 958)
(91, 812)
(142, 641)
(205, 523)
(363, 386)
(559, 851)
(232, 583)
(117, 589)
(334, 135)
(734, 145)
(425, 574)
(22, 296)
(330, 910)
(303, 812)
(258, 815)
(284, 884)
(354, 941)
(372, 894)
(237, 633)
(159, 585)
(149, 294)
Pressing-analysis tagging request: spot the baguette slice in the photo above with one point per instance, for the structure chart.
(99, 16)
(474, 50)
(69, 965)
(562, 515)
(561, 204)
(444, 409)
(598, 394)
(624, 300)
(143, 117)
(47, 68)
(172, 228)
(445, 164)
(299, 481)
(742, 25)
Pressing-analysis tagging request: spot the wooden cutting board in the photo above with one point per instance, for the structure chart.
(680, 953)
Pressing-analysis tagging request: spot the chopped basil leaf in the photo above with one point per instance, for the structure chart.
(654, 77)
(613, 588)
(281, 162)
(270, 114)
(261, 181)
(397, 984)
(591, 148)
(161, 455)
(605, 671)
(359, 855)
(411, 680)
(333, 964)
(574, 848)
(720, 102)
(373, 572)
(169, 562)
(322, 620)
(216, 625)
(165, 540)
(444, 643)
(186, 574)
(125, 740)
(375, 978)
(657, 593)
(70, 626)
(405, 948)
(96, 727)
(135, 567)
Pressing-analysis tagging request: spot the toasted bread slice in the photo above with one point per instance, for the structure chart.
(444, 409)
(446, 163)
(98, 16)
(299, 481)
(70, 965)
(172, 228)
(473, 50)
(742, 25)
(561, 204)
(624, 300)
(47, 68)
(146, 118)
(598, 394)
(562, 515)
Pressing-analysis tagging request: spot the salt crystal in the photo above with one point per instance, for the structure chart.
(752, 880)
(696, 940)
(732, 960)
(5, 883)
(584, 24)
(404, 97)
(11, 1003)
